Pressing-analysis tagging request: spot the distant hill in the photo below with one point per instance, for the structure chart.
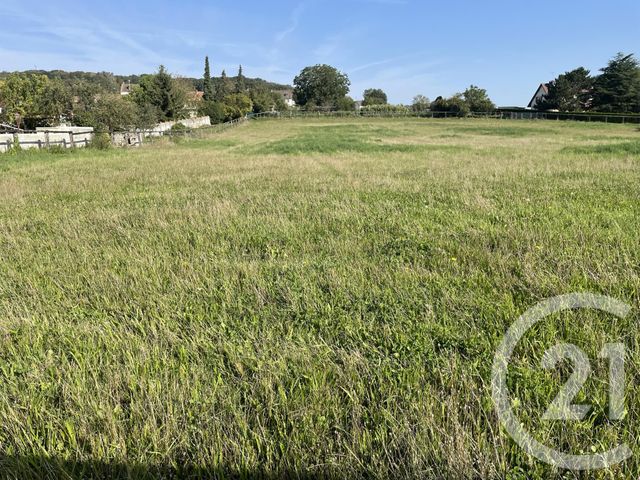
(111, 83)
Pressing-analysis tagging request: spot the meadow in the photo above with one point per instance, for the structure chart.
(317, 298)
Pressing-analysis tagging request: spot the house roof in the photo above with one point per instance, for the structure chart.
(195, 95)
(542, 89)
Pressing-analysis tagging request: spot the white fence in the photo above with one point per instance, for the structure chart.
(65, 137)
(75, 137)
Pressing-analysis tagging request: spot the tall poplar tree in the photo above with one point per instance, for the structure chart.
(224, 88)
(241, 84)
(208, 86)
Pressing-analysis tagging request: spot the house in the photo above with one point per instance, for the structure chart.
(126, 88)
(543, 91)
(287, 96)
(194, 100)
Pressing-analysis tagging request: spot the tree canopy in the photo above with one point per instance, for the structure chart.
(570, 92)
(32, 100)
(162, 92)
(374, 96)
(320, 86)
(420, 103)
(477, 100)
(617, 89)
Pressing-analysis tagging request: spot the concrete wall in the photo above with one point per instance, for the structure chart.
(134, 139)
(69, 137)
(198, 122)
(66, 137)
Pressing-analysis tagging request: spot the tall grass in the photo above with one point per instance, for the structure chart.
(311, 298)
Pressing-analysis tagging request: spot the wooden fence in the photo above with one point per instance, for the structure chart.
(45, 139)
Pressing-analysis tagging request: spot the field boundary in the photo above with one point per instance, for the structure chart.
(77, 137)
(497, 115)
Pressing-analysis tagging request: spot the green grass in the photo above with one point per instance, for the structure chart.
(619, 148)
(310, 298)
(355, 138)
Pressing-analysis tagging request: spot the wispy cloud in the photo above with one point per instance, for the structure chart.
(294, 23)
(87, 44)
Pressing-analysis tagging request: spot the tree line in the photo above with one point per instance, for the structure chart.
(39, 99)
(323, 87)
(227, 98)
(615, 90)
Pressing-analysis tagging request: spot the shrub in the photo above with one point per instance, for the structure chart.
(236, 106)
(179, 128)
(15, 147)
(213, 110)
(454, 105)
(100, 141)
(346, 104)
(385, 110)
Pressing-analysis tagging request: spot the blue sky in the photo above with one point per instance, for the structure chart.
(405, 47)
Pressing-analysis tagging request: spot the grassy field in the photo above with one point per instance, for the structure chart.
(311, 299)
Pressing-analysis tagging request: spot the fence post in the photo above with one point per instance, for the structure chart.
(16, 139)
(8, 145)
(46, 138)
(72, 140)
(39, 144)
(64, 143)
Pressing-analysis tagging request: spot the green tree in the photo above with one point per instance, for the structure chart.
(164, 93)
(241, 84)
(454, 105)
(420, 104)
(570, 92)
(321, 86)
(110, 113)
(266, 101)
(214, 110)
(207, 84)
(477, 100)
(20, 95)
(146, 116)
(85, 95)
(617, 89)
(55, 103)
(223, 88)
(237, 105)
(374, 96)
(346, 104)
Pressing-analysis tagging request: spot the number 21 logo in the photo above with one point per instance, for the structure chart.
(562, 408)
